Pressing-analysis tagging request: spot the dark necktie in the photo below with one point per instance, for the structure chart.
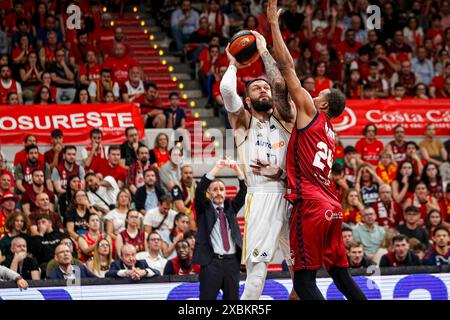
(223, 229)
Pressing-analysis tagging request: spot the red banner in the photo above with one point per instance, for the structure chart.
(413, 114)
(74, 120)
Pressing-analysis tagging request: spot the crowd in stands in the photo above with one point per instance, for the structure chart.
(406, 57)
(44, 62)
(128, 210)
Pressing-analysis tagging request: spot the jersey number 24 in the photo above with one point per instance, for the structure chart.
(324, 153)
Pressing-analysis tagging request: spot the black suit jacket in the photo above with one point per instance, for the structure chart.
(141, 195)
(118, 265)
(207, 217)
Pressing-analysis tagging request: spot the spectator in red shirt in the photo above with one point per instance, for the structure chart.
(404, 184)
(369, 147)
(406, 77)
(6, 180)
(24, 169)
(107, 49)
(10, 19)
(98, 88)
(412, 155)
(111, 167)
(30, 75)
(47, 54)
(46, 80)
(8, 85)
(318, 43)
(389, 213)
(398, 92)
(181, 264)
(321, 81)
(38, 186)
(21, 52)
(160, 153)
(95, 151)
(78, 52)
(352, 207)
(43, 209)
(397, 147)
(8, 206)
(437, 85)
(347, 50)
(435, 33)
(208, 66)
(104, 33)
(423, 200)
(23, 29)
(399, 50)
(120, 63)
(135, 177)
(376, 87)
(151, 107)
(309, 84)
(21, 156)
(90, 71)
(354, 85)
(386, 169)
(53, 156)
(43, 96)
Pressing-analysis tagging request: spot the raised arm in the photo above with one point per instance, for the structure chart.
(302, 99)
(239, 118)
(284, 106)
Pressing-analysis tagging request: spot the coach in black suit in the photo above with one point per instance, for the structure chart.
(218, 245)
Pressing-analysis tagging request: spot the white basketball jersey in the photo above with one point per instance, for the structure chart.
(266, 141)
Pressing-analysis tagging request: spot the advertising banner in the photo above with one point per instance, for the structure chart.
(398, 287)
(74, 120)
(413, 114)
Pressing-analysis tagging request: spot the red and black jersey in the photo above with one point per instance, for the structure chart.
(398, 151)
(27, 170)
(388, 215)
(138, 241)
(310, 156)
(65, 174)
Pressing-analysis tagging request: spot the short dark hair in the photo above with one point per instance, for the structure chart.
(412, 143)
(337, 168)
(142, 146)
(336, 103)
(398, 85)
(105, 70)
(89, 174)
(173, 94)
(149, 85)
(31, 147)
(69, 147)
(438, 228)
(113, 147)
(189, 233)
(148, 170)
(128, 130)
(44, 216)
(412, 209)
(399, 238)
(165, 199)
(37, 170)
(57, 133)
(366, 127)
(247, 85)
(349, 149)
(345, 228)
(95, 131)
(373, 64)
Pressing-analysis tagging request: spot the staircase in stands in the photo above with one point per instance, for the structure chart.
(150, 47)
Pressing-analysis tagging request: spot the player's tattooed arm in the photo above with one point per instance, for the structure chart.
(277, 82)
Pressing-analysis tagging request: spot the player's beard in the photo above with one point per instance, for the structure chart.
(262, 105)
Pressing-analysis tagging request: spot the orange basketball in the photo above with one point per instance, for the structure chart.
(243, 47)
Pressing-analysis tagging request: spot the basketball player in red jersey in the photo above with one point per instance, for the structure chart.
(315, 230)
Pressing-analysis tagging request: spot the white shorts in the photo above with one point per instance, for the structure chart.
(266, 226)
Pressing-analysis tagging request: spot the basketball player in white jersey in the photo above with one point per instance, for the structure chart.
(262, 137)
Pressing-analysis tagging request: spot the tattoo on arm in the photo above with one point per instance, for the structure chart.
(280, 92)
